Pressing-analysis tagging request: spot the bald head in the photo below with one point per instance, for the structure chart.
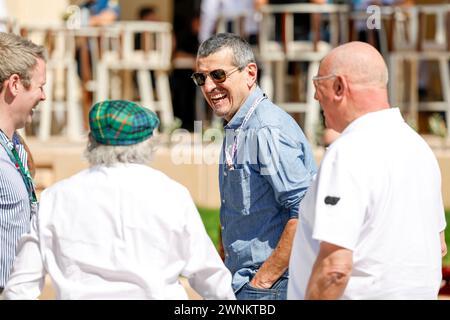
(359, 85)
(359, 62)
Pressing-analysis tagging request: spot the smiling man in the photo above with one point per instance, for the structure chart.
(266, 166)
(22, 77)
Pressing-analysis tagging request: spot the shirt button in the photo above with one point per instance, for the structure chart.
(223, 200)
(222, 227)
(225, 173)
(226, 255)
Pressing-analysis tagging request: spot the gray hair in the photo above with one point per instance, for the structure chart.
(242, 51)
(18, 56)
(107, 155)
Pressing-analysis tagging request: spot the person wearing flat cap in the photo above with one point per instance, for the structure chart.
(120, 229)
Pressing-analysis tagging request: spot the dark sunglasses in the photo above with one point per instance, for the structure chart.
(218, 75)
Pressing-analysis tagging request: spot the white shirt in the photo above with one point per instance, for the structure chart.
(3, 15)
(211, 10)
(124, 232)
(389, 212)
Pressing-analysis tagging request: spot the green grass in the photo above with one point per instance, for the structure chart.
(446, 260)
(211, 221)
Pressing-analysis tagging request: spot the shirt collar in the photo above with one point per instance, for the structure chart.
(369, 119)
(15, 138)
(237, 119)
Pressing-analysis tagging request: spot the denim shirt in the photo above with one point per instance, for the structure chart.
(273, 167)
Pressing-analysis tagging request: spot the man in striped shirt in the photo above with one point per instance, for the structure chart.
(22, 77)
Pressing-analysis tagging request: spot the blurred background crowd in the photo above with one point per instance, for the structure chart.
(145, 50)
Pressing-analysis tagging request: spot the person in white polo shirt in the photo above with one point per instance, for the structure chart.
(371, 225)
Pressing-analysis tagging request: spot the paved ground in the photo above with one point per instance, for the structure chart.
(48, 292)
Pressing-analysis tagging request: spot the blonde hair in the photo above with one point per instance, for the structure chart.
(18, 56)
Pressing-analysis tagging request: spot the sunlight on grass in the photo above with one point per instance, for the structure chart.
(211, 221)
(446, 260)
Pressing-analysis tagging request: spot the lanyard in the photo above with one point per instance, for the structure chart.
(230, 157)
(27, 179)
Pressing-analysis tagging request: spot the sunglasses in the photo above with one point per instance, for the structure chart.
(218, 76)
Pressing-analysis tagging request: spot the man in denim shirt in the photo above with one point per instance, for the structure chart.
(265, 169)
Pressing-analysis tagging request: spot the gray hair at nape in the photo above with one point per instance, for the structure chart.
(242, 51)
(106, 155)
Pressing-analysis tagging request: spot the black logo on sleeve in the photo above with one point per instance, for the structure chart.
(331, 200)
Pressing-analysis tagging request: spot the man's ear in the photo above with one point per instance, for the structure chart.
(252, 72)
(13, 84)
(340, 86)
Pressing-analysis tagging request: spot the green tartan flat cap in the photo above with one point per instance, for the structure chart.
(121, 122)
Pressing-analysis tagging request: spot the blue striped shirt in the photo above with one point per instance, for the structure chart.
(15, 211)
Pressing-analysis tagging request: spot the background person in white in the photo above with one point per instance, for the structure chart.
(231, 11)
(371, 224)
(3, 16)
(119, 230)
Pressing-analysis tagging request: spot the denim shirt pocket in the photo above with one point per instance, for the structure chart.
(237, 190)
(260, 251)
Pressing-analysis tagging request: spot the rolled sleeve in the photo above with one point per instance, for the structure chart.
(282, 163)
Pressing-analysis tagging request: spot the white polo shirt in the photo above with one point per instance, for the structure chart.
(377, 193)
